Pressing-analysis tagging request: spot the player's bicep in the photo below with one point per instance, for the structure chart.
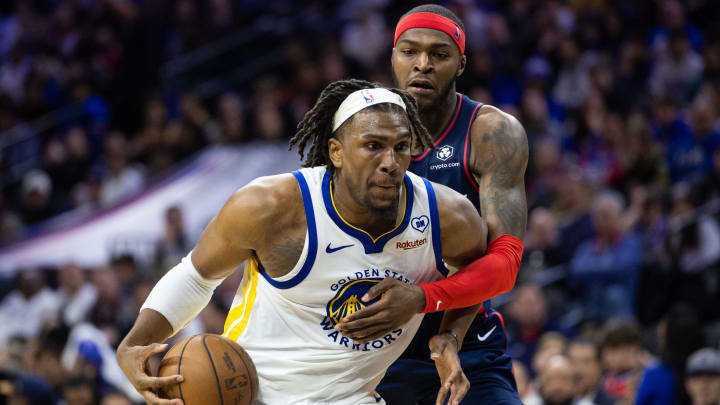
(231, 236)
(500, 160)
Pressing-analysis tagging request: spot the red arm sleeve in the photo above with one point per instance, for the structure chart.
(481, 280)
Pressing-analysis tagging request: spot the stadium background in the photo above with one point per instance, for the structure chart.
(125, 124)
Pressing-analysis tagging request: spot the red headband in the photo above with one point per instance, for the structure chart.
(432, 21)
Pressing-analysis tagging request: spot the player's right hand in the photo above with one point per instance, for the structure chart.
(444, 351)
(133, 361)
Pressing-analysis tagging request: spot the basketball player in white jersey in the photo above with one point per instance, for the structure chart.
(316, 241)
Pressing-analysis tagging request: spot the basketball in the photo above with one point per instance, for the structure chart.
(216, 371)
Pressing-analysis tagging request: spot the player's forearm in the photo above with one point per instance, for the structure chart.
(485, 278)
(150, 327)
(458, 321)
(505, 212)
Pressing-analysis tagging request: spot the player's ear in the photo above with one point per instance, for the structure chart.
(461, 65)
(335, 151)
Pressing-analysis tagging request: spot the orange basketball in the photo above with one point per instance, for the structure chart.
(216, 371)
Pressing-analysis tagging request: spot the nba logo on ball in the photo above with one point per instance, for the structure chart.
(445, 152)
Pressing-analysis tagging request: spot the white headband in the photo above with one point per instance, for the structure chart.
(364, 98)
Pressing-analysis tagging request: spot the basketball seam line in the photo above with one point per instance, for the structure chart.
(212, 363)
(250, 382)
(180, 363)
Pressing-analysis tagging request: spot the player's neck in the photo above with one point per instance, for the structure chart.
(373, 221)
(436, 117)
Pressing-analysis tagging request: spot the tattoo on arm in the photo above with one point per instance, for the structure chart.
(501, 160)
(505, 212)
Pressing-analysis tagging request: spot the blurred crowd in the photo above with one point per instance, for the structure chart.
(619, 286)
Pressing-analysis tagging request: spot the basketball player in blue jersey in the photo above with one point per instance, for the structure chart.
(316, 241)
(482, 153)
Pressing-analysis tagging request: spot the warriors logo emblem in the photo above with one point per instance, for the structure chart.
(348, 299)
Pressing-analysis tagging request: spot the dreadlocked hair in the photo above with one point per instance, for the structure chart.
(317, 124)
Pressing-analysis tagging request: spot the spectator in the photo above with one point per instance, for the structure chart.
(690, 156)
(573, 84)
(641, 159)
(548, 170)
(536, 119)
(78, 157)
(571, 208)
(14, 72)
(105, 314)
(702, 377)
(678, 72)
(47, 362)
(672, 18)
(173, 245)
(527, 321)
(703, 120)
(132, 304)
(679, 335)
(606, 267)
(122, 179)
(79, 390)
(269, 122)
(364, 35)
(541, 241)
(621, 353)
(694, 240)
(549, 345)
(669, 125)
(37, 197)
(585, 358)
(77, 296)
(232, 119)
(25, 389)
(707, 185)
(149, 145)
(11, 227)
(556, 383)
(25, 310)
(655, 279)
(126, 269)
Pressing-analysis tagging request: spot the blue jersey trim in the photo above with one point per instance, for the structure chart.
(371, 246)
(436, 236)
(312, 235)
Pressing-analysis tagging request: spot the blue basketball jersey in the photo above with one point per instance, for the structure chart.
(449, 163)
(413, 378)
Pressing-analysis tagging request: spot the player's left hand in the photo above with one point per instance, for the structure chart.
(444, 351)
(399, 302)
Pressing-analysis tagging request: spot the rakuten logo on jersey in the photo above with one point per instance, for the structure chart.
(407, 245)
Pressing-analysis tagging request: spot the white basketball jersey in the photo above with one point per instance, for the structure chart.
(286, 323)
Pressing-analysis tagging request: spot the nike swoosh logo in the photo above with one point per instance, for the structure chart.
(487, 335)
(329, 249)
(437, 305)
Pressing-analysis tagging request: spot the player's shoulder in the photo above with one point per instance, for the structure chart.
(493, 122)
(266, 198)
